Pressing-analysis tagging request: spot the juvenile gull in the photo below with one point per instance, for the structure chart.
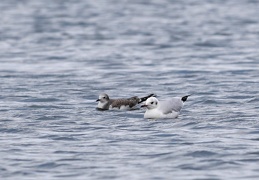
(169, 108)
(105, 103)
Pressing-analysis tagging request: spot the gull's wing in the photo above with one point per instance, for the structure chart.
(172, 104)
(123, 102)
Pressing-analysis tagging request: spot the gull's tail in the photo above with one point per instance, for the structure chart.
(184, 98)
(146, 97)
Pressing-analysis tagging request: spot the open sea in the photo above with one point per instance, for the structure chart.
(57, 56)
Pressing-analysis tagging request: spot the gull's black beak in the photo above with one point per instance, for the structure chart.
(97, 100)
(144, 105)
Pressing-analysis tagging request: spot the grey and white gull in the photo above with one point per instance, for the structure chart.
(105, 103)
(169, 108)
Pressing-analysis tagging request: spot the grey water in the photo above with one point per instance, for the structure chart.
(57, 56)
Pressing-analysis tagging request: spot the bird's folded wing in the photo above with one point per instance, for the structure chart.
(168, 106)
(123, 102)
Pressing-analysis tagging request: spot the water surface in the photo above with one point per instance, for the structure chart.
(57, 56)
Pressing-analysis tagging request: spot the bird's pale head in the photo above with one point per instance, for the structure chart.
(103, 98)
(151, 103)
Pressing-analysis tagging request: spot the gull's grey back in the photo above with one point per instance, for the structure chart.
(173, 104)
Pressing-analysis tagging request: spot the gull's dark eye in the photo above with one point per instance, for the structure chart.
(104, 97)
(156, 103)
(152, 102)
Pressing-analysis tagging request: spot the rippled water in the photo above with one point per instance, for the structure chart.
(57, 56)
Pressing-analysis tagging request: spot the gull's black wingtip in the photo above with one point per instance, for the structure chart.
(184, 98)
(145, 98)
(152, 95)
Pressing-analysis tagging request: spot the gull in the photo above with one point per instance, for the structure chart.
(169, 108)
(105, 103)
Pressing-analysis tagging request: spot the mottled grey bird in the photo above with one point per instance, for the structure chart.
(105, 103)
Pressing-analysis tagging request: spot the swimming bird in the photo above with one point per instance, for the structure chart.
(105, 103)
(169, 108)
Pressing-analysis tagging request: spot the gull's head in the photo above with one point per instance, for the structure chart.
(151, 103)
(103, 98)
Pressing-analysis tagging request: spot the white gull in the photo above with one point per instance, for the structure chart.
(169, 108)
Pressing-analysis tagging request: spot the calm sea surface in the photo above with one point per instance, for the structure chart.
(56, 56)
